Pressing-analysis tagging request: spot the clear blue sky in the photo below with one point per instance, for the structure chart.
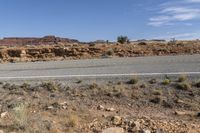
(89, 20)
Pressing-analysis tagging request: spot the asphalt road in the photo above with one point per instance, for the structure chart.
(112, 67)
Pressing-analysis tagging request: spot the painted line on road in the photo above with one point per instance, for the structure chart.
(101, 75)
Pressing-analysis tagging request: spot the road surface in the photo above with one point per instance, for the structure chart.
(112, 67)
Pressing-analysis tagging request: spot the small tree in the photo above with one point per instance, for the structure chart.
(172, 41)
(122, 39)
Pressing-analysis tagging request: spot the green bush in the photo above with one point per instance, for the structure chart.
(122, 39)
(166, 81)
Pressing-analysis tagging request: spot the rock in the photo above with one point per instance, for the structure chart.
(3, 115)
(145, 131)
(113, 130)
(50, 107)
(110, 109)
(64, 107)
(63, 103)
(1, 131)
(117, 120)
(179, 101)
(182, 113)
(136, 125)
(100, 107)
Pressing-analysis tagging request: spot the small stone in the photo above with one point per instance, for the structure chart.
(145, 131)
(180, 113)
(136, 125)
(64, 107)
(117, 120)
(100, 107)
(63, 103)
(3, 115)
(113, 130)
(110, 109)
(50, 107)
(179, 101)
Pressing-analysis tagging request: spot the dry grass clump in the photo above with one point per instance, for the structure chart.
(25, 85)
(9, 86)
(156, 100)
(19, 116)
(152, 81)
(133, 81)
(93, 86)
(157, 92)
(50, 86)
(110, 52)
(79, 81)
(183, 86)
(144, 85)
(112, 91)
(197, 84)
(72, 120)
(182, 78)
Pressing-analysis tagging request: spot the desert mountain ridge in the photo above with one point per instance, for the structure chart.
(48, 40)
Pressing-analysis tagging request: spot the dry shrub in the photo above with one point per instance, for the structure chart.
(184, 86)
(72, 120)
(182, 78)
(19, 116)
(50, 86)
(133, 81)
(197, 84)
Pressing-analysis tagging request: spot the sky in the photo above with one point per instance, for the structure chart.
(90, 20)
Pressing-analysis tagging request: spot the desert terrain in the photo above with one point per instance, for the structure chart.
(135, 105)
(60, 85)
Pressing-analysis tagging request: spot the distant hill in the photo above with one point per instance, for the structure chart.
(46, 40)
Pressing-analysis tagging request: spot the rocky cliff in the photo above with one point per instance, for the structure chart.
(66, 50)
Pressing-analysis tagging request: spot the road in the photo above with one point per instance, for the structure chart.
(111, 67)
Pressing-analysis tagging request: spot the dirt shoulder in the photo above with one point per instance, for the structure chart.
(76, 50)
(134, 106)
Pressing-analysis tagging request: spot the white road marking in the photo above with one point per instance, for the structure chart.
(101, 75)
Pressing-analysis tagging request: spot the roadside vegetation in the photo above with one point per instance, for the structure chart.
(123, 39)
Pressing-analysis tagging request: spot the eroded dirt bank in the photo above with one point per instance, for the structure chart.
(76, 50)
